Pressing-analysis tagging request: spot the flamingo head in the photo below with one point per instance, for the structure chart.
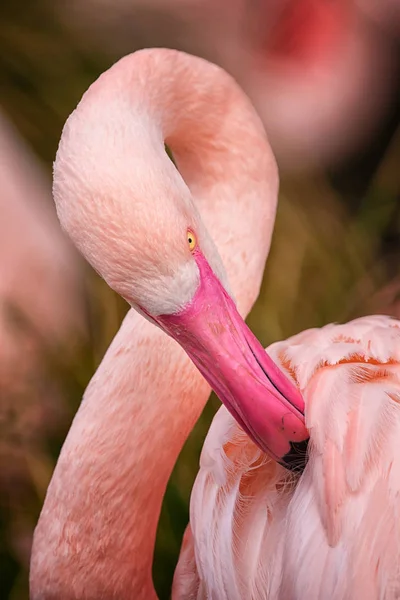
(258, 395)
(140, 229)
(205, 321)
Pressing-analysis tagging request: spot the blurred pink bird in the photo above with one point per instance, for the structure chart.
(176, 245)
(41, 309)
(41, 300)
(320, 76)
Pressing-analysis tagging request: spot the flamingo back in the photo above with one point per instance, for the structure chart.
(332, 532)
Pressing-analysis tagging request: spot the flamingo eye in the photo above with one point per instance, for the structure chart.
(192, 240)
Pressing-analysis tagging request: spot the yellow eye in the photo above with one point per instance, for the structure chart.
(192, 241)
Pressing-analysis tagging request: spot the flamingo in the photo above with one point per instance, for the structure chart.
(179, 245)
(320, 76)
(40, 284)
(34, 253)
(41, 307)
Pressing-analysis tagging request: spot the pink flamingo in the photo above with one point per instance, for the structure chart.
(40, 279)
(320, 76)
(41, 308)
(169, 242)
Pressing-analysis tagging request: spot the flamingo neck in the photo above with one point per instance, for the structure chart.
(98, 525)
(96, 534)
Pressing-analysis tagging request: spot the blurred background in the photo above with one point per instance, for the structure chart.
(325, 78)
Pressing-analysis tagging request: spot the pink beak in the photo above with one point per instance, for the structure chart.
(254, 390)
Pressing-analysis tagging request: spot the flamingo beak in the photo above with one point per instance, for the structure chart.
(255, 391)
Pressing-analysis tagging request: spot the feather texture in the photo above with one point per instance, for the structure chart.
(257, 532)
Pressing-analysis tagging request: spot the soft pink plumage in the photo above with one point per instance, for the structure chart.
(333, 533)
(259, 532)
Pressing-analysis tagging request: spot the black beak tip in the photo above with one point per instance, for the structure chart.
(296, 459)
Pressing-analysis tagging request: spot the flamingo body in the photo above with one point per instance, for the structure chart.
(332, 533)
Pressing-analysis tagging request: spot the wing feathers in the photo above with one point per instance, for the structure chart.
(334, 533)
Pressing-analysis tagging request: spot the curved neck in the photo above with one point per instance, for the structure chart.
(96, 533)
